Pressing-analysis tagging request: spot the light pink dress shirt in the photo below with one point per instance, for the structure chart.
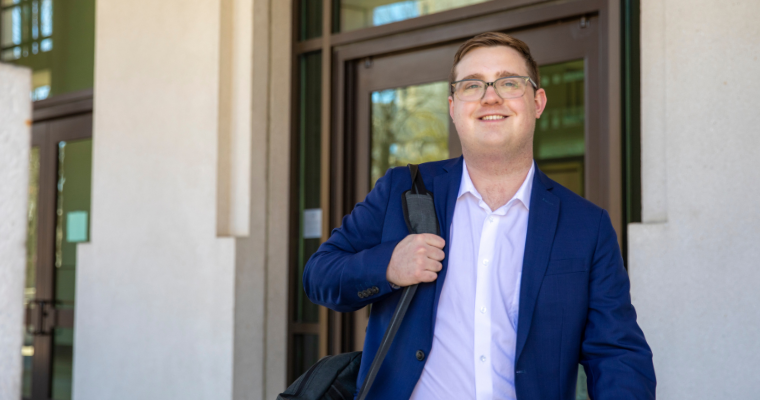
(473, 352)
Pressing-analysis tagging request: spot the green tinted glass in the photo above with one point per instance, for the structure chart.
(55, 38)
(357, 14)
(581, 385)
(305, 352)
(63, 351)
(409, 125)
(559, 144)
(310, 19)
(72, 213)
(310, 99)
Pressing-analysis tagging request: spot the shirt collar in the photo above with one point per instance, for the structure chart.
(523, 193)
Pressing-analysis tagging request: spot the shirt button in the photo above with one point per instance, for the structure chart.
(482, 358)
(490, 219)
(420, 355)
(482, 310)
(485, 262)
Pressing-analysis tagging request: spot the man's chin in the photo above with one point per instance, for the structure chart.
(495, 148)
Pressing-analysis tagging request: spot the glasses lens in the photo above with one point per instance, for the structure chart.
(470, 90)
(509, 88)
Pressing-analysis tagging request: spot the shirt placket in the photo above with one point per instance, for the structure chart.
(483, 362)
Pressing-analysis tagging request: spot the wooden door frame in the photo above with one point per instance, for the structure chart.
(60, 118)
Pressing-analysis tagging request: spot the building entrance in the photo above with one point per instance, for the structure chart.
(388, 90)
(402, 114)
(58, 219)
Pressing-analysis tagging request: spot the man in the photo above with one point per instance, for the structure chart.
(528, 282)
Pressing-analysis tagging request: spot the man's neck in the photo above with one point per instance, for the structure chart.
(497, 179)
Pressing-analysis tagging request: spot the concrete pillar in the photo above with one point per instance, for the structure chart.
(182, 290)
(694, 258)
(15, 141)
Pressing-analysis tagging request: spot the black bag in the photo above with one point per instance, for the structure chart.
(334, 377)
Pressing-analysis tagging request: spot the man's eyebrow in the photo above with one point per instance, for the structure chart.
(500, 74)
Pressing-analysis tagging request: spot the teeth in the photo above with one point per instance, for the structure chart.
(492, 117)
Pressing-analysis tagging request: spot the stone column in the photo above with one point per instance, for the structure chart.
(15, 140)
(182, 289)
(694, 258)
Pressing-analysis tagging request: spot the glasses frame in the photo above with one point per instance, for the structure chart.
(492, 84)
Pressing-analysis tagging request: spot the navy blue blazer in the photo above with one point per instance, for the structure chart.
(575, 305)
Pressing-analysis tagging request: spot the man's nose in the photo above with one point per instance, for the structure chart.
(490, 96)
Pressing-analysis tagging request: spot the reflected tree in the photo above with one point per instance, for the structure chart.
(409, 125)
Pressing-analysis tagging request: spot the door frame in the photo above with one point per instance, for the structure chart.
(60, 118)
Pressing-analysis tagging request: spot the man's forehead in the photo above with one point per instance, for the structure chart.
(498, 61)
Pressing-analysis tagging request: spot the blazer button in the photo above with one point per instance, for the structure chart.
(375, 290)
(420, 355)
(361, 295)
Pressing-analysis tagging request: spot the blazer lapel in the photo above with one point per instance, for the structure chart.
(445, 190)
(542, 223)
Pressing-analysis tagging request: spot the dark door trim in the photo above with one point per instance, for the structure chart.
(61, 118)
(63, 105)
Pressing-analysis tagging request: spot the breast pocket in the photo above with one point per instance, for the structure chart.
(566, 266)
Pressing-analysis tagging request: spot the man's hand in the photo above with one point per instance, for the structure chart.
(416, 259)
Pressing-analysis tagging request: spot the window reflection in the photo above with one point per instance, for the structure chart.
(27, 38)
(72, 212)
(46, 17)
(63, 351)
(310, 21)
(559, 144)
(357, 14)
(409, 125)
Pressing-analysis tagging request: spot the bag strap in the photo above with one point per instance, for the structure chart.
(418, 188)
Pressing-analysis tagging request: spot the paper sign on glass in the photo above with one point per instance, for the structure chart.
(76, 226)
(312, 223)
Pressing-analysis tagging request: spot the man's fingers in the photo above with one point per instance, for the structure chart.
(433, 266)
(435, 253)
(427, 276)
(434, 240)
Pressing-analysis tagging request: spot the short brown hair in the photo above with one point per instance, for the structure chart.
(493, 39)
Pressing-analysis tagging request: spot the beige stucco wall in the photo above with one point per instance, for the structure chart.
(15, 140)
(182, 289)
(694, 259)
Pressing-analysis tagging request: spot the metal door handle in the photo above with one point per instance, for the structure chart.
(43, 310)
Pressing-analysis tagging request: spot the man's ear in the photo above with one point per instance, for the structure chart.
(451, 107)
(540, 101)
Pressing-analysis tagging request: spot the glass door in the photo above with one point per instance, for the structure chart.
(401, 116)
(58, 219)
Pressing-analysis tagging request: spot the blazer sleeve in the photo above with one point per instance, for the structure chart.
(614, 352)
(354, 259)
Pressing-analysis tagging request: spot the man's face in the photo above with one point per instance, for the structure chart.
(508, 130)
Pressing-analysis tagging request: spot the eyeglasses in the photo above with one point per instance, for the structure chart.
(509, 87)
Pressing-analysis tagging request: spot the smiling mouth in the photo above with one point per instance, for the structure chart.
(492, 117)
